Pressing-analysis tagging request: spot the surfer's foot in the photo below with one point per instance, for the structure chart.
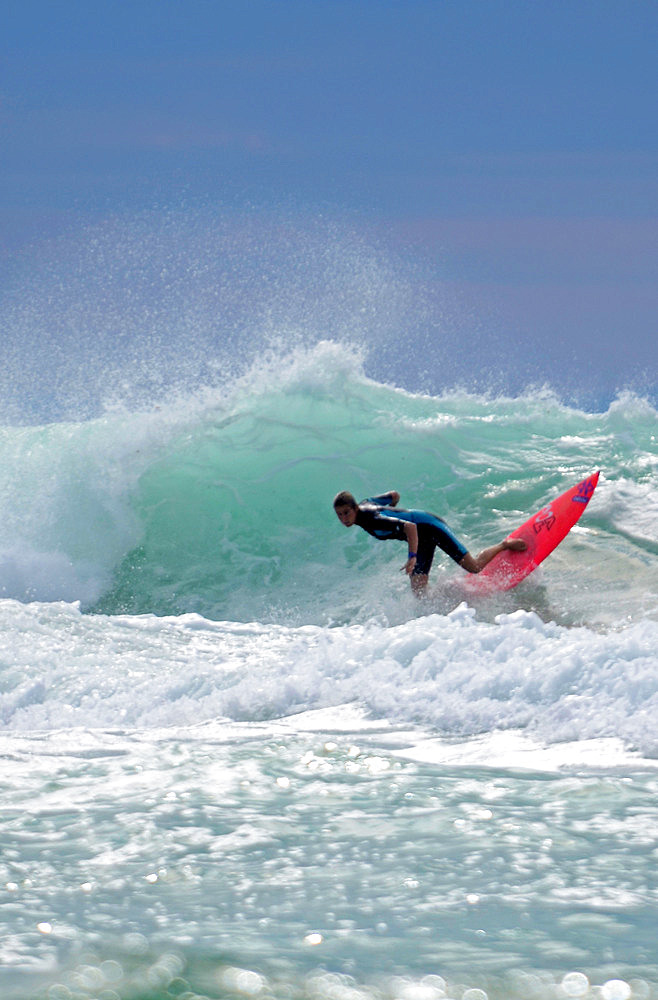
(419, 584)
(475, 564)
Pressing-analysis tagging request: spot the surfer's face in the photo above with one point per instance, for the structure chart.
(346, 515)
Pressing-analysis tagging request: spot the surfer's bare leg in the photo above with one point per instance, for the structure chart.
(474, 564)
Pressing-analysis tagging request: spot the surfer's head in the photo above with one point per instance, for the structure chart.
(346, 508)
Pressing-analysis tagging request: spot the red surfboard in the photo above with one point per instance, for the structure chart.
(542, 533)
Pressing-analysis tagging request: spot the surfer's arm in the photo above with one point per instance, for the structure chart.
(411, 531)
(390, 499)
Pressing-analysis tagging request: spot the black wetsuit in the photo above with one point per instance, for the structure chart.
(381, 520)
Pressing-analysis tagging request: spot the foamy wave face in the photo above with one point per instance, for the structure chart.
(452, 674)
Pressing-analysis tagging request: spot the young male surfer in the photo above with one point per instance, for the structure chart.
(422, 531)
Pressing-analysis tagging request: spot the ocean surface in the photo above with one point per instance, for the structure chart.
(241, 760)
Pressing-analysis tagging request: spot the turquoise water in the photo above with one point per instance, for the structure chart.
(241, 760)
(220, 504)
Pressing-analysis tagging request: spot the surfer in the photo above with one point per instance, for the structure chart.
(422, 531)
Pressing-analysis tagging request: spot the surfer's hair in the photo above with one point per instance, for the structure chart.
(344, 499)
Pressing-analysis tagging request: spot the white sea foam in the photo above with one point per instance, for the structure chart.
(452, 673)
(632, 507)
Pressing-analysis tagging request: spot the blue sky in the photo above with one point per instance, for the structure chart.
(511, 146)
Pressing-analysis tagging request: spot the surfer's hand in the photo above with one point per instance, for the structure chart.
(408, 567)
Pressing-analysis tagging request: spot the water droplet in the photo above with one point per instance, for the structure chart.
(575, 984)
(615, 989)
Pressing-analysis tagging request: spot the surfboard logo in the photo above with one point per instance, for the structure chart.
(544, 519)
(584, 491)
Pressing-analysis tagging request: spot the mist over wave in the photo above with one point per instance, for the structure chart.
(136, 309)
